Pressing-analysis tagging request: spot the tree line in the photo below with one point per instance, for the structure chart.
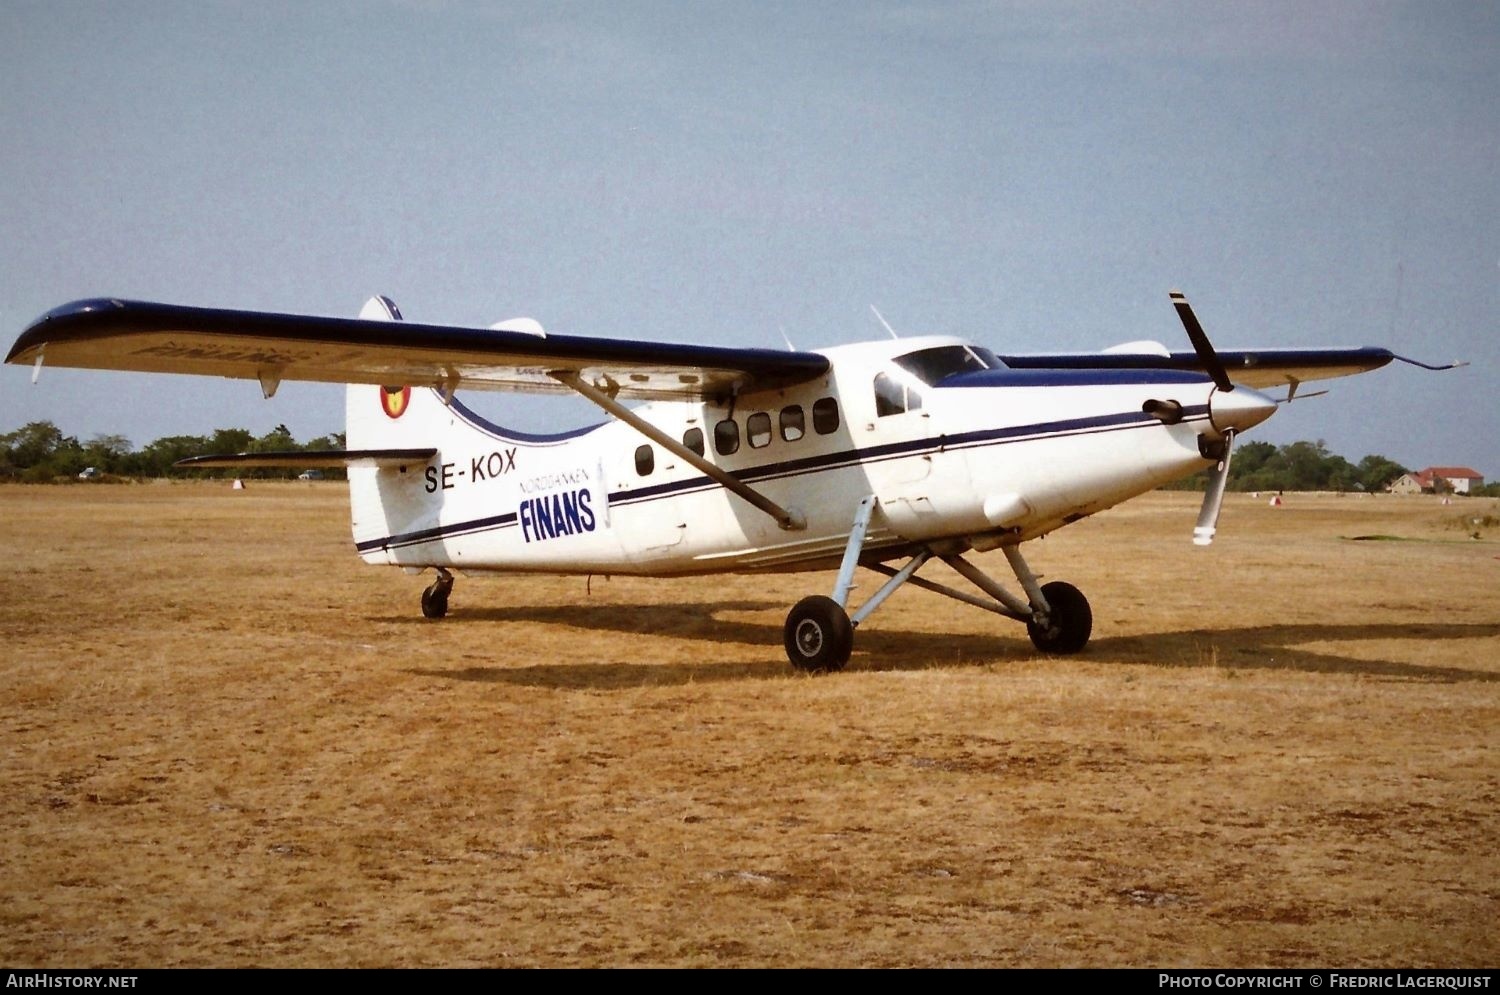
(1300, 466)
(41, 453)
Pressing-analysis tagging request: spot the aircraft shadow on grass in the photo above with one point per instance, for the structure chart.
(1263, 647)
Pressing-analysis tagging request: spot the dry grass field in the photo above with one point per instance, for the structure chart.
(227, 742)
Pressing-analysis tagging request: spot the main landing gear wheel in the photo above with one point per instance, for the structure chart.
(435, 598)
(434, 603)
(1069, 623)
(818, 635)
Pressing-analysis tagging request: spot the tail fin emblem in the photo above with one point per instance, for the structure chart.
(393, 400)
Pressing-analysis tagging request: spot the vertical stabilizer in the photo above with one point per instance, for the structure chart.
(386, 501)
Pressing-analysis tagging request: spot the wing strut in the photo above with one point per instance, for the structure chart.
(789, 519)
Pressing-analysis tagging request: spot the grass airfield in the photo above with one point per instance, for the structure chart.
(227, 743)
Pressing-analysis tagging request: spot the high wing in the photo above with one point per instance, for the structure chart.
(106, 334)
(1258, 368)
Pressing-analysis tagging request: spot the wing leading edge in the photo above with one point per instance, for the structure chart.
(106, 334)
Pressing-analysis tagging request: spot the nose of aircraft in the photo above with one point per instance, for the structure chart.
(1239, 409)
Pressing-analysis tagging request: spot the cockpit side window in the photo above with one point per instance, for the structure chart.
(893, 397)
(934, 365)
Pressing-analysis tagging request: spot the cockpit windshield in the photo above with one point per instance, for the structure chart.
(937, 364)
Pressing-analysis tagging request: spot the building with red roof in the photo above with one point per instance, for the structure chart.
(1434, 479)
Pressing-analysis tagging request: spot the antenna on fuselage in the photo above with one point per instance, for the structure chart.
(882, 320)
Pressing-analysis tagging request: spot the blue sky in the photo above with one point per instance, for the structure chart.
(1034, 175)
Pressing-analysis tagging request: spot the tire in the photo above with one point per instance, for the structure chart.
(1070, 624)
(434, 603)
(818, 636)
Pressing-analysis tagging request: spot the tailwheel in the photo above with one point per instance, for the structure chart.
(1069, 621)
(435, 598)
(818, 635)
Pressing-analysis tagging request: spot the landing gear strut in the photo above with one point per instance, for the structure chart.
(819, 632)
(435, 598)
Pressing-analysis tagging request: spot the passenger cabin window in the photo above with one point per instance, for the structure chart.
(893, 397)
(792, 428)
(727, 437)
(645, 460)
(693, 439)
(758, 430)
(932, 366)
(825, 416)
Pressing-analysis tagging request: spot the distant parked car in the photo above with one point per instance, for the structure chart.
(310, 475)
(89, 473)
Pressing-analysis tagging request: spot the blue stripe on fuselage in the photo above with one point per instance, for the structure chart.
(913, 447)
(437, 532)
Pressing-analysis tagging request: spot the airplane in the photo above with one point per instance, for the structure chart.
(884, 454)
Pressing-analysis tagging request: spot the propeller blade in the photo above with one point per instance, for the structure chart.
(1201, 345)
(1213, 498)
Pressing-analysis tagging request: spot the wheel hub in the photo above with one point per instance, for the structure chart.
(809, 637)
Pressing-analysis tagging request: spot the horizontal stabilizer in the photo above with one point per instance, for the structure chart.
(318, 458)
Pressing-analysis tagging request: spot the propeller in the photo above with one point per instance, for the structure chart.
(1213, 497)
(1201, 345)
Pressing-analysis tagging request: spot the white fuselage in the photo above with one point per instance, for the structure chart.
(987, 459)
